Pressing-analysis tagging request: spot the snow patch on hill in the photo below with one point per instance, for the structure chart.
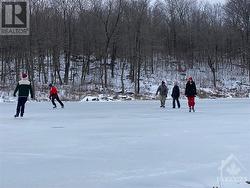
(231, 82)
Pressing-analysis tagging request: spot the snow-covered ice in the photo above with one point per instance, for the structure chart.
(123, 144)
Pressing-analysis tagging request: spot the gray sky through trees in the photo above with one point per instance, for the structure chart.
(214, 1)
(209, 1)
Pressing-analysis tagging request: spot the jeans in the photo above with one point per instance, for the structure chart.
(178, 102)
(21, 105)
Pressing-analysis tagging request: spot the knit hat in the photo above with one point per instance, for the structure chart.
(50, 85)
(24, 75)
(162, 82)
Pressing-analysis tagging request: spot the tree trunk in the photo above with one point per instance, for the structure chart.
(113, 58)
(212, 68)
(122, 77)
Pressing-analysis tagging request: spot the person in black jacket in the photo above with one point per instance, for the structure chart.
(175, 95)
(190, 93)
(163, 89)
(23, 88)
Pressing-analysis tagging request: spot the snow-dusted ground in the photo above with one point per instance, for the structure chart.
(123, 144)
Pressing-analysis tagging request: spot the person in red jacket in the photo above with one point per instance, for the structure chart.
(54, 95)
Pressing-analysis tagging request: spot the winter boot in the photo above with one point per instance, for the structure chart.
(16, 115)
(54, 107)
(190, 109)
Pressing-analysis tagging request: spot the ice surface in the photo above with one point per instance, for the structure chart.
(122, 144)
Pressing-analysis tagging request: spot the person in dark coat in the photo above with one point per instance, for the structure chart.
(23, 88)
(190, 93)
(163, 90)
(175, 95)
(54, 96)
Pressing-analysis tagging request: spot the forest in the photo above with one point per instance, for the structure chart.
(71, 38)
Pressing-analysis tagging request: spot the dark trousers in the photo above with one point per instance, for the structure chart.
(178, 102)
(21, 105)
(55, 97)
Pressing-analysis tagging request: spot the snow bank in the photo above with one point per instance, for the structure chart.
(6, 98)
(104, 98)
(100, 98)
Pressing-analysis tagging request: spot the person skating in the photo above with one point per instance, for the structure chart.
(163, 89)
(175, 95)
(23, 88)
(54, 96)
(190, 93)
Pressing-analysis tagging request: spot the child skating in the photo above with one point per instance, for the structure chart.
(176, 94)
(54, 96)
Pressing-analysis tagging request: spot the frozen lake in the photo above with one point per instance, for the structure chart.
(124, 145)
